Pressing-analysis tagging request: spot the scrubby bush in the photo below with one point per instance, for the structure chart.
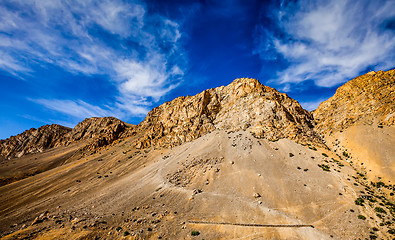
(195, 233)
(380, 210)
(361, 217)
(359, 201)
(324, 167)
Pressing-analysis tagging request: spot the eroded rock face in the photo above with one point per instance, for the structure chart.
(245, 104)
(363, 100)
(33, 140)
(97, 132)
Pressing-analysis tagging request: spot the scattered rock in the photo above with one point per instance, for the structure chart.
(256, 195)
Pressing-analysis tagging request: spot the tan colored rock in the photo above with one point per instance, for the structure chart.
(33, 141)
(96, 132)
(363, 100)
(245, 104)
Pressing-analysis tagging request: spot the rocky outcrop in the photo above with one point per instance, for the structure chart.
(99, 132)
(96, 132)
(245, 104)
(33, 140)
(363, 100)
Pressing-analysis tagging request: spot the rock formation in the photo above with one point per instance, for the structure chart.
(364, 99)
(244, 104)
(33, 140)
(96, 131)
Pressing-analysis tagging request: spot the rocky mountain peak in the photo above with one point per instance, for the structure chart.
(33, 140)
(362, 100)
(96, 132)
(245, 104)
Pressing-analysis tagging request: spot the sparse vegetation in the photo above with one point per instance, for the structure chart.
(359, 201)
(313, 148)
(324, 167)
(291, 155)
(361, 217)
(118, 229)
(126, 233)
(380, 210)
(195, 233)
(346, 154)
(324, 154)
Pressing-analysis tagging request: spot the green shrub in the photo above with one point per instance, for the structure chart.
(118, 228)
(380, 184)
(346, 154)
(324, 154)
(195, 233)
(126, 233)
(361, 217)
(359, 201)
(380, 210)
(291, 155)
(324, 167)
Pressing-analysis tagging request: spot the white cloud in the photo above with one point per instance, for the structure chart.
(331, 42)
(78, 109)
(69, 34)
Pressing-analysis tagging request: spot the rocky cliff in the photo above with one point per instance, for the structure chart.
(363, 100)
(33, 140)
(245, 104)
(97, 132)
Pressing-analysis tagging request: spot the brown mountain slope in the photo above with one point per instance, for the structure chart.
(235, 158)
(95, 132)
(87, 137)
(33, 140)
(358, 122)
(365, 99)
(243, 104)
(220, 177)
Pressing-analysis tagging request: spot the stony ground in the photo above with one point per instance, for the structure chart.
(124, 192)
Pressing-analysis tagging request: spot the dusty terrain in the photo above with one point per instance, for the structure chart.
(215, 178)
(236, 162)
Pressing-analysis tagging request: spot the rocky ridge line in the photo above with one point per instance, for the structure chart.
(97, 131)
(362, 100)
(245, 104)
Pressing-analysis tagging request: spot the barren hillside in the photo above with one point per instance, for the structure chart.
(241, 161)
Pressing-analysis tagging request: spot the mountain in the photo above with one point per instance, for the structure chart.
(242, 161)
(358, 123)
(96, 131)
(33, 141)
(86, 137)
(243, 104)
(367, 99)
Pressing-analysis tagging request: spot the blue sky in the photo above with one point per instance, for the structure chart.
(62, 61)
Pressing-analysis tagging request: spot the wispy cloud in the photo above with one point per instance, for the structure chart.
(138, 52)
(78, 109)
(330, 41)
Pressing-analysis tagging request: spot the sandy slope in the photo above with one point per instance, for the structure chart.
(150, 193)
(371, 148)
